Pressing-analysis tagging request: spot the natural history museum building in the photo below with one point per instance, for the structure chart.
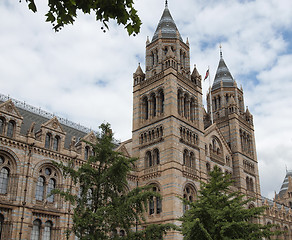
(176, 140)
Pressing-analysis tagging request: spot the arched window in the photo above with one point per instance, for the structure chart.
(185, 157)
(10, 129)
(2, 123)
(152, 58)
(46, 182)
(4, 177)
(48, 141)
(86, 153)
(247, 183)
(208, 167)
(47, 230)
(1, 225)
(89, 197)
(189, 194)
(153, 102)
(56, 143)
(155, 203)
(40, 189)
(192, 110)
(148, 159)
(122, 233)
(192, 160)
(179, 94)
(51, 186)
(156, 157)
(185, 107)
(214, 145)
(145, 108)
(36, 230)
(161, 101)
(151, 205)
(251, 184)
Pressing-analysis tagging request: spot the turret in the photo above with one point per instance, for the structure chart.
(167, 49)
(138, 76)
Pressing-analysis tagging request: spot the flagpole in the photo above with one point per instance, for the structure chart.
(211, 108)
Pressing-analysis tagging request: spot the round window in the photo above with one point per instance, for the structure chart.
(48, 171)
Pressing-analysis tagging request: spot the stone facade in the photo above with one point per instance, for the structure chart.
(177, 142)
(28, 144)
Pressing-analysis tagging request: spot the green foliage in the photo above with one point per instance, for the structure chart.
(63, 12)
(103, 204)
(219, 213)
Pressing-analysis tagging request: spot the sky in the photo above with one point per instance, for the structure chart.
(85, 75)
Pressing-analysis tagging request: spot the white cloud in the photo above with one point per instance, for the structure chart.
(85, 75)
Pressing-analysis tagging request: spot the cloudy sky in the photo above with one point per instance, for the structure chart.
(85, 75)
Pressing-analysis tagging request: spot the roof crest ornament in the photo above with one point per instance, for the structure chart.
(166, 3)
(220, 46)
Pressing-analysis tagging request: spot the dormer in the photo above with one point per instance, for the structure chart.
(83, 145)
(196, 78)
(138, 76)
(10, 120)
(52, 135)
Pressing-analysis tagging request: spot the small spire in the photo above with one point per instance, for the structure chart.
(166, 3)
(187, 41)
(147, 41)
(220, 46)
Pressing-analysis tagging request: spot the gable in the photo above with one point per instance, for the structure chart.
(125, 148)
(8, 108)
(90, 137)
(54, 125)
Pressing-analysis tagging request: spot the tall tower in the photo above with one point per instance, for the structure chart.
(168, 122)
(236, 125)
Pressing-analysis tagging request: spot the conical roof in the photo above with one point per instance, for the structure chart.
(284, 186)
(166, 27)
(195, 72)
(223, 74)
(139, 71)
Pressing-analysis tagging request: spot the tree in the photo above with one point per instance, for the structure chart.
(63, 12)
(219, 213)
(104, 206)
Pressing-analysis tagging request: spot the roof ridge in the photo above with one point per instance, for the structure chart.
(45, 114)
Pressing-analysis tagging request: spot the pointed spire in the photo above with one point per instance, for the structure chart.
(285, 183)
(139, 71)
(223, 74)
(195, 72)
(247, 111)
(187, 42)
(147, 41)
(166, 27)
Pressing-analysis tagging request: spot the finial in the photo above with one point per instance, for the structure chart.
(166, 3)
(220, 46)
(147, 41)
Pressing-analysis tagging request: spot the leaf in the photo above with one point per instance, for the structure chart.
(32, 6)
